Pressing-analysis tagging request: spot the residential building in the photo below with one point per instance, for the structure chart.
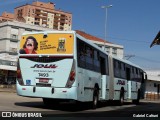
(43, 14)
(6, 17)
(109, 47)
(153, 84)
(10, 34)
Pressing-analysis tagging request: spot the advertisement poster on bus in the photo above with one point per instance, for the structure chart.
(47, 44)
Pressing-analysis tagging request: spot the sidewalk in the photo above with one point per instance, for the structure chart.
(8, 88)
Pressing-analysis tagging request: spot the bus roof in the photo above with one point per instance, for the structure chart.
(126, 61)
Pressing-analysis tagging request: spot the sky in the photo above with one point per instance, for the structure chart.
(130, 23)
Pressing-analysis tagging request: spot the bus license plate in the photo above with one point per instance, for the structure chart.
(43, 80)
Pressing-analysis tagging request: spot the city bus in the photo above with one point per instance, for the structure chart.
(64, 66)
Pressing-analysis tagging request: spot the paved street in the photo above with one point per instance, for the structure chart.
(12, 102)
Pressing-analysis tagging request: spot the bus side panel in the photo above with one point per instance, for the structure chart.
(134, 90)
(80, 84)
(90, 78)
(118, 84)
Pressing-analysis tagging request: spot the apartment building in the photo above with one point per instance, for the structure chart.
(6, 17)
(10, 34)
(40, 14)
(109, 47)
(43, 14)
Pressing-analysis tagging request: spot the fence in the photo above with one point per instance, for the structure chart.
(8, 86)
(152, 96)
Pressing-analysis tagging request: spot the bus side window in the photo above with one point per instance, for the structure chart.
(116, 68)
(96, 61)
(123, 72)
(103, 65)
(107, 65)
(89, 58)
(81, 54)
(132, 72)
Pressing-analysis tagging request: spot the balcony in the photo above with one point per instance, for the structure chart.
(37, 16)
(62, 21)
(38, 12)
(44, 22)
(44, 13)
(57, 17)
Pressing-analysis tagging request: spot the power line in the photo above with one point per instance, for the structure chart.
(146, 59)
(130, 40)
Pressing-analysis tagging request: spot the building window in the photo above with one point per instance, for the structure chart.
(155, 85)
(13, 36)
(13, 49)
(114, 51)
(107, 49)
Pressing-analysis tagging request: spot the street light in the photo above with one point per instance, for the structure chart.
(106, 7)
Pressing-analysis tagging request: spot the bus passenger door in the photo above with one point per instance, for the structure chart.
(129, 84)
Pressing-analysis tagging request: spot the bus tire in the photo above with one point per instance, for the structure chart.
(121, 98)
(95, 99)
(138, 99)
(50, 102)
(46, 101)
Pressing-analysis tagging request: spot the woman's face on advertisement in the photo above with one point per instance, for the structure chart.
(30, 44)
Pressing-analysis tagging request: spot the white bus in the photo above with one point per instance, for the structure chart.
(62, 65)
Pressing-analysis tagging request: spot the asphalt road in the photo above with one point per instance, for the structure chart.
(11, 102)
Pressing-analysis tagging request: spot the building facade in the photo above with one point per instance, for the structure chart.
(10, 34)
(6, 17)
(41, 14)
(153, 84)
(114, 49)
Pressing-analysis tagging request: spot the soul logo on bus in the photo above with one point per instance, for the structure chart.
(44, 66)
(121, 82)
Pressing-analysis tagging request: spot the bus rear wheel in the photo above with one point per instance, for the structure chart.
(49, 102)
(138, 99)
(46, 101)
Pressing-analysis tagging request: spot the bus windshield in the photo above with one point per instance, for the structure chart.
(51, 43)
